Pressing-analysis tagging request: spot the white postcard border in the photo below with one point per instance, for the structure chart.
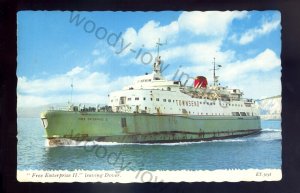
(143, 176)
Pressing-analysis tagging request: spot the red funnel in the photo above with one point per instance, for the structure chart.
(200, 82)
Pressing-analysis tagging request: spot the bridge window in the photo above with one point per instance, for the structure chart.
(165, 100)
(129, 99)
(157, 99)
(136, 98)
(169, 100)
(144, 98)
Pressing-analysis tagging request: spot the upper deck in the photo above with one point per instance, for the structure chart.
(152, 93)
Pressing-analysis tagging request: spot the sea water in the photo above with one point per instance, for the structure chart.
(258, 151)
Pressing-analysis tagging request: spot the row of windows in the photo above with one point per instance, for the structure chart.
(157, 99)
(189, 112)
(240, 114)
(184, 103)
(237, 105)
(145, 80)
(137, 98)
(233, 113)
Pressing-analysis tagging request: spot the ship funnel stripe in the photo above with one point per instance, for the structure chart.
(200, 81)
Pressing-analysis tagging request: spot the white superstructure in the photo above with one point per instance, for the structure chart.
(153, 94)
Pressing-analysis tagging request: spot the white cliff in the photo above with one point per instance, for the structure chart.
(270, 108)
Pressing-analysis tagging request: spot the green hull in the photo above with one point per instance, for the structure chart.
(144, 128)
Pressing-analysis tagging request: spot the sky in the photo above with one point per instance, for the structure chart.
(101, 52)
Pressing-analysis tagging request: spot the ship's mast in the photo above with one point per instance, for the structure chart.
(214, 69)
(156, 65)
(158, 44)
(72, 90)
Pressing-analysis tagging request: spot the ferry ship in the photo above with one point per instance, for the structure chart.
(156, 110)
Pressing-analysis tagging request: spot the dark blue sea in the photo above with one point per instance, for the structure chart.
(259, 151)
